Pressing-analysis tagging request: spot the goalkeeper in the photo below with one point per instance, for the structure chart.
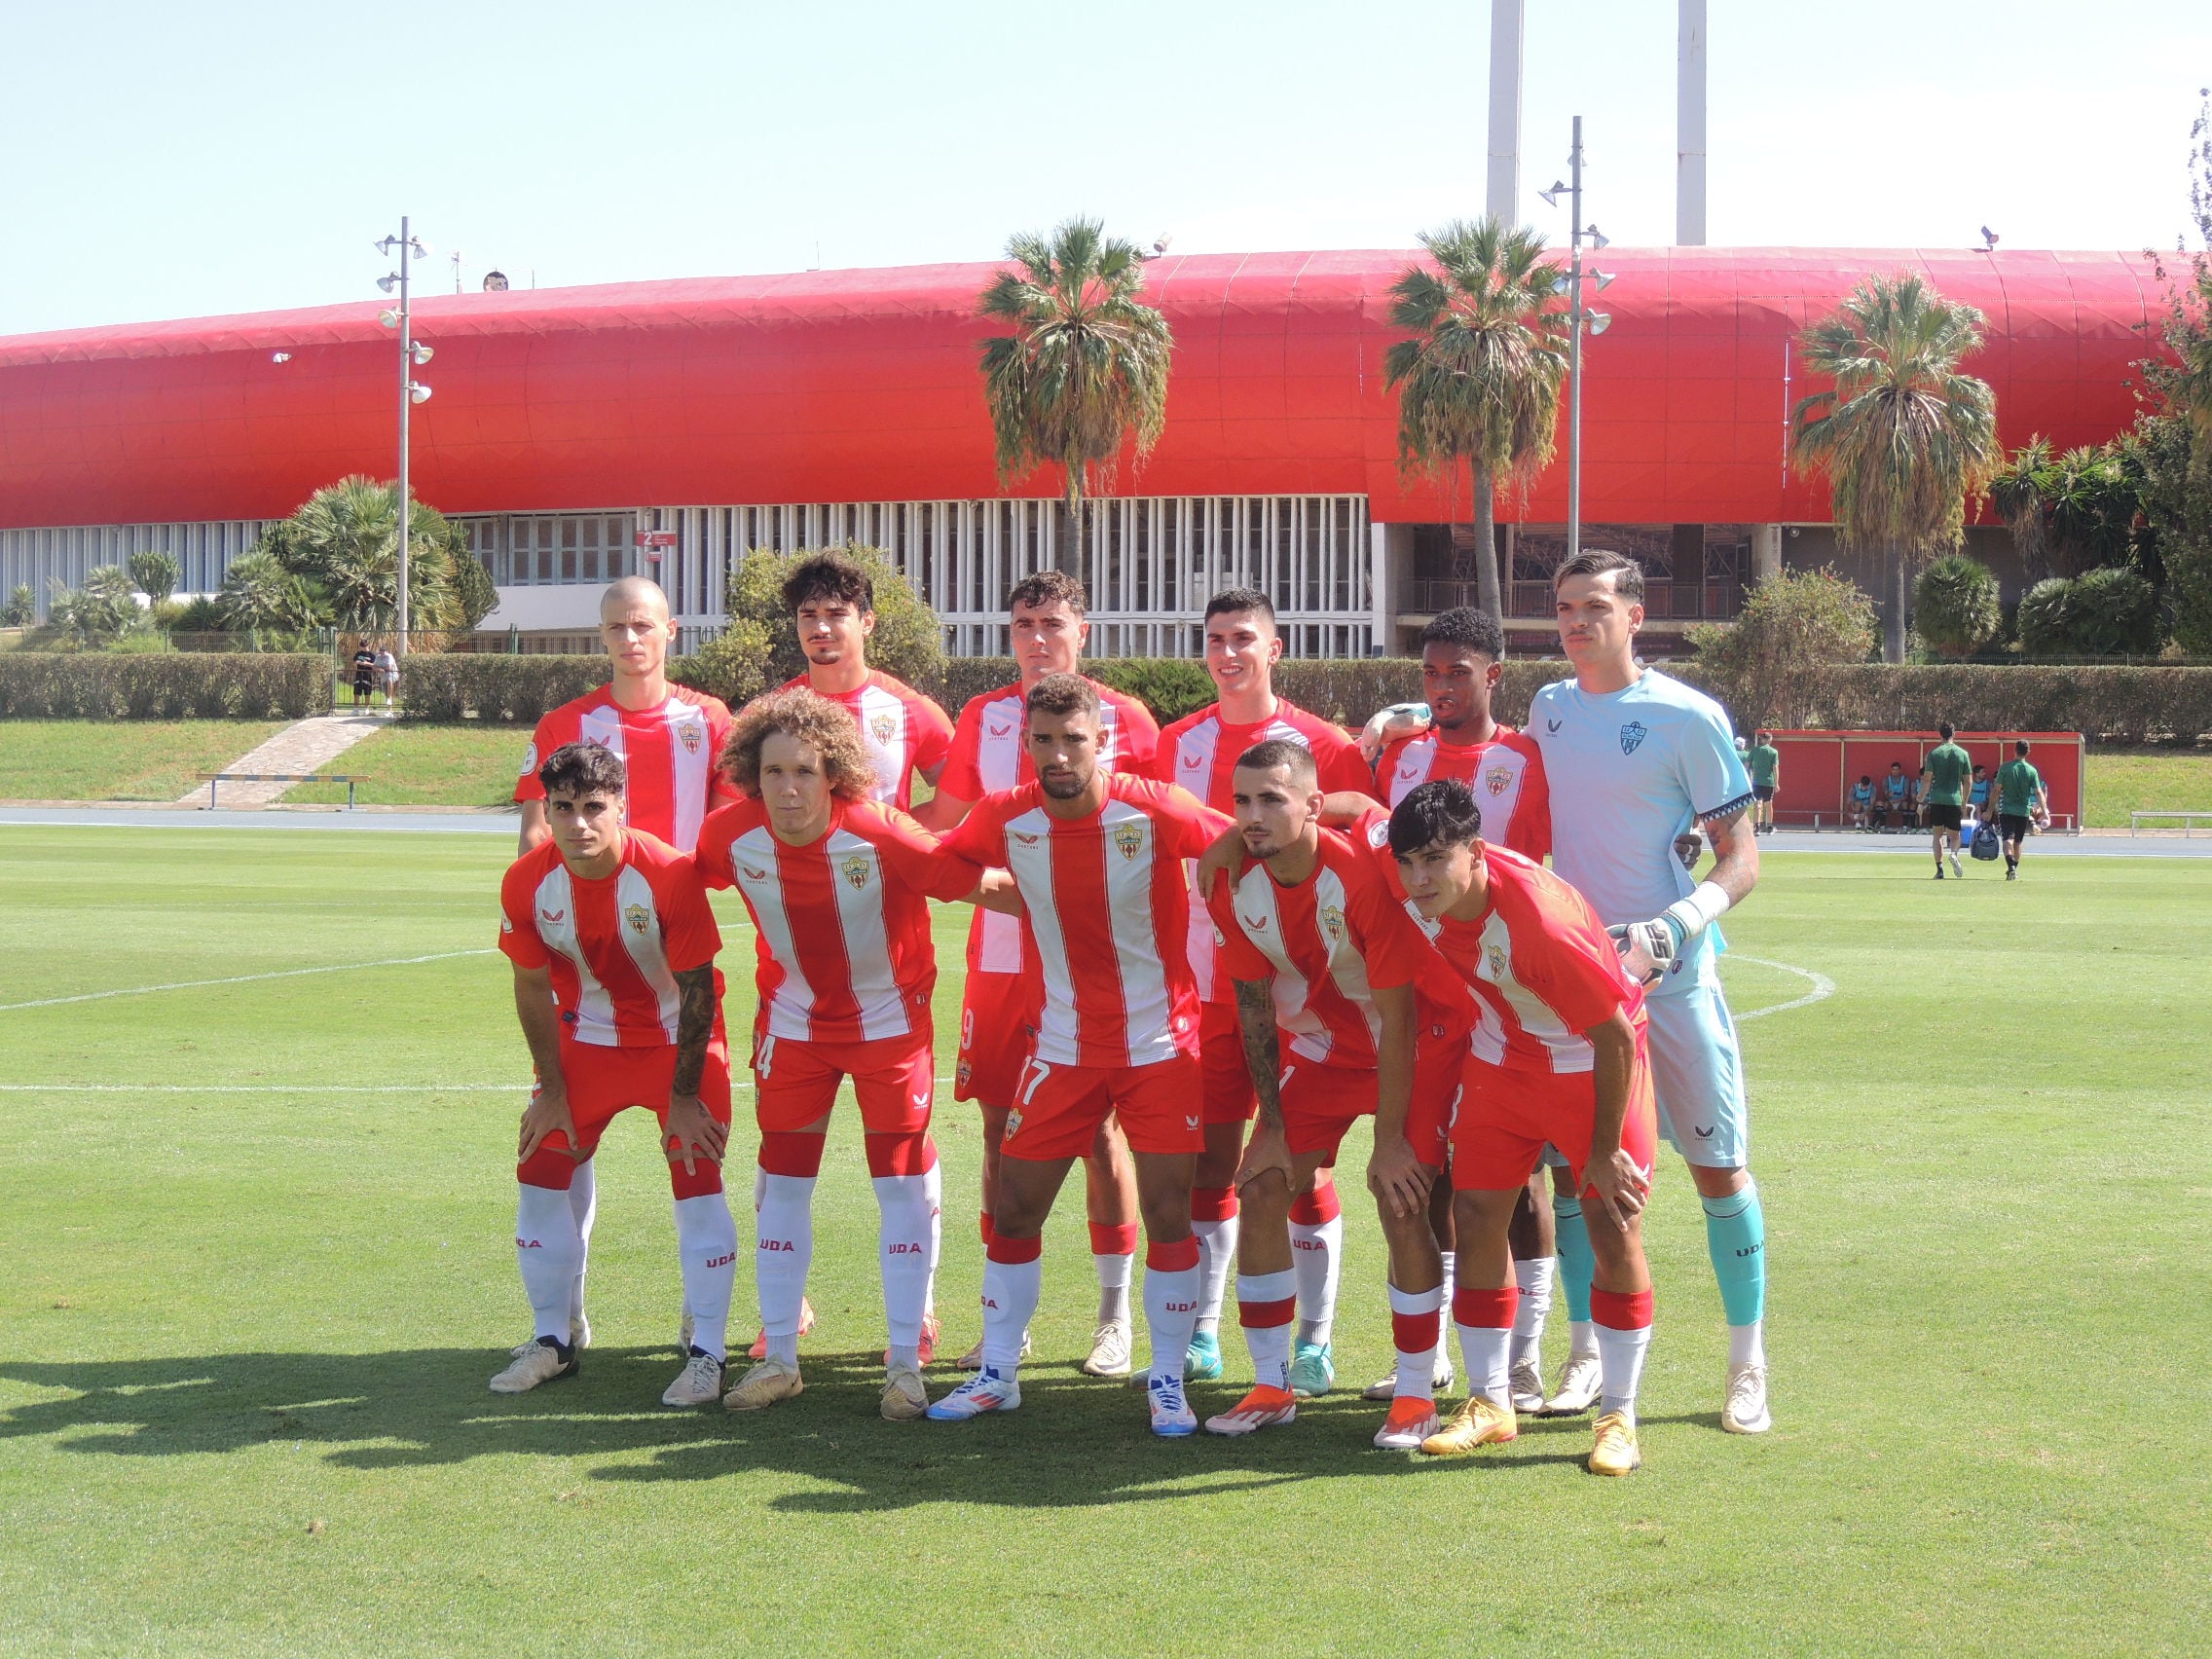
(1633, 758)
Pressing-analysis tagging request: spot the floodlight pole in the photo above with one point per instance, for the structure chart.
(1574, 347)
(406, 402)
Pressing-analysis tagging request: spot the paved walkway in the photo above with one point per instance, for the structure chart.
(305, 745)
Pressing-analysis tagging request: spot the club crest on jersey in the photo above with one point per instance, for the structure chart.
(1496, 954)
(1333, 923)
(854, 871)
(687, 735)
(883, 725)
(1633, 735)
(1013, 1122)
(1499, 779)
(1129, 838)
(638, 916)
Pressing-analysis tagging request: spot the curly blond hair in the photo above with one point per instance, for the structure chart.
(805, 717)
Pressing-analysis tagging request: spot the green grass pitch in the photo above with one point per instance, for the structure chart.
(245, 1334)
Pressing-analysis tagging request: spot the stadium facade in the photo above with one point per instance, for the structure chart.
(670, 426)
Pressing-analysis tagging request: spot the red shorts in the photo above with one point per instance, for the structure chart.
(1058, 1108)
(1507, 1117)
(998, 1027)
(1230, 1097)
(603, 1081)
(1440, 1055)
(1319, 1103)
(796, 1083)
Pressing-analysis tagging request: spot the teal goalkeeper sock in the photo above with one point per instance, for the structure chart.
(1577, 1263)
(1735, 1235)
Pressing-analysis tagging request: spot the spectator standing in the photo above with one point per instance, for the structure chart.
(2021, 800)
(1764, 763)
(387, 668)
(364, 674)
(1948, 771)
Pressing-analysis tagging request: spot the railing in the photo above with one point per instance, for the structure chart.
(1664, 600)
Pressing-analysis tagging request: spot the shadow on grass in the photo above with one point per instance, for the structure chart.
(1076, 1440)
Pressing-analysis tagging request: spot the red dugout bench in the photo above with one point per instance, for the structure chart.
(1818, 768)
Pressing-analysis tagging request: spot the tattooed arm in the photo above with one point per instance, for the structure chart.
(691, 1132)
(1267, 1149)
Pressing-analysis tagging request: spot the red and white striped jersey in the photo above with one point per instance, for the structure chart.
(1541, 967)
(1199, 752)
(1325, 944)
(842, 925)
(669, 754)
(1105, 911)
(904, 731)
(989, 758)
(614, 944)
(1506, 774)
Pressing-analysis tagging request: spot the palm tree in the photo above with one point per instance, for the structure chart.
(1085, 370)
(2016, 491)
(1480, 383)
(345, 539)
(156, 573)
(262, 598)
(1903, 434)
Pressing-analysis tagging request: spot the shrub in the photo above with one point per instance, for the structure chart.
(1956, 605)
(21, 608)
(2046, 618)
(513, 690)
(1169, 686)
(2119, 702)
(2189, 589)
(908, 642)
(1792, 626)
(2115, 613)
(163, 685)
(967, 677)
(156, 573)
(733, 665)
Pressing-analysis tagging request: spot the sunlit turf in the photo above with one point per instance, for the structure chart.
(119, 759)
(243, 1335)
(427, 765)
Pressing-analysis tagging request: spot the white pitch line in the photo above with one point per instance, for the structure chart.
(288, 1088)
(1824, 987)
(243, 978)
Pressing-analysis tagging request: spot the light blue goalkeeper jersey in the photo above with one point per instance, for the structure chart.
(1628, 772)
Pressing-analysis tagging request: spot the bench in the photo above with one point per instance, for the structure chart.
(2188, 820)
(211, 778)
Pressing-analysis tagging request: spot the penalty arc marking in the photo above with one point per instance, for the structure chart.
(1824, 987)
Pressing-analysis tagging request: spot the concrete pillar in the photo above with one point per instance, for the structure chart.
(1689, 126)
(1766, 553)
(1502, 197)
(1381, 597)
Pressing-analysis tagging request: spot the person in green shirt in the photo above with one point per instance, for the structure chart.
(2021, 800)
(1945, 775)
(1764, 763)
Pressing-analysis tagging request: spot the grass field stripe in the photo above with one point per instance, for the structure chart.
(1824, 987)
(243, 978)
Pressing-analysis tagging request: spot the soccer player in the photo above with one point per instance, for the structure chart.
(831, 601)
(998, 1008)
(1557, 1059)
(667, 737)
(1097, 859)
(1633, 758)
(1200, 752)
(1895, 805)
(1318, 945)
(614, 950)
(2021, 800)
(1462, 656)
(839, 885)
(1947, 774)
(1764, 763)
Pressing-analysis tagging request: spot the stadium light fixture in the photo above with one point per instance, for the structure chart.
(280, 356)
(390, 282)
(418, 392)
(1600, 321)
(1597, 238)
(1603, 279)
(388, 316)
(1560, 187)
(422, 353)
(412, 391)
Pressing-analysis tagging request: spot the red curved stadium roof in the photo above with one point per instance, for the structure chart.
(862, 386)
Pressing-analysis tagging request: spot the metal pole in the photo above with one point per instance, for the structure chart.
(1574, 348)
(406, 388)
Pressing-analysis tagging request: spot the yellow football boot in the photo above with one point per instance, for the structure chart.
(1478, 1422)
(1617, 1452)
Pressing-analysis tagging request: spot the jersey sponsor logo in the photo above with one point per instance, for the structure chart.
(752, 875)
(1633, 735)
(924, 1098)
(883, 725)
(1407, 774)
(549, 917)
(1551, 725)
(1190, 762)
(1026, 839)
(1333, 923)
(638, 916)
(1258, 923)
(1189, 1122)
(854, 871)
(687, 735)
(1129, 838)
(1499, 779)
(996, 733)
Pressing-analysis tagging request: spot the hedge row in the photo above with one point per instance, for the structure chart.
(513, 690)
(132, 685)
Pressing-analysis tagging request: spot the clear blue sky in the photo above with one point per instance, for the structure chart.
(175, 160)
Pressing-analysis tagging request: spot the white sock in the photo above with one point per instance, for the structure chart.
(1440, 1363)
(906, 1240)
(1010, 1300)
(1582, 1338)
(1620, 1354)
(1417, 1372)
(1269, 1344)
(706, 1241)
(783, 1225)
(1317, 1251)
(1488, 1352)
(1217, 1253)
(1535, 1281)
(547, 1249)
(1170, 1310)
(1114, 1275)
(583, 1204)
(1747, 1345)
